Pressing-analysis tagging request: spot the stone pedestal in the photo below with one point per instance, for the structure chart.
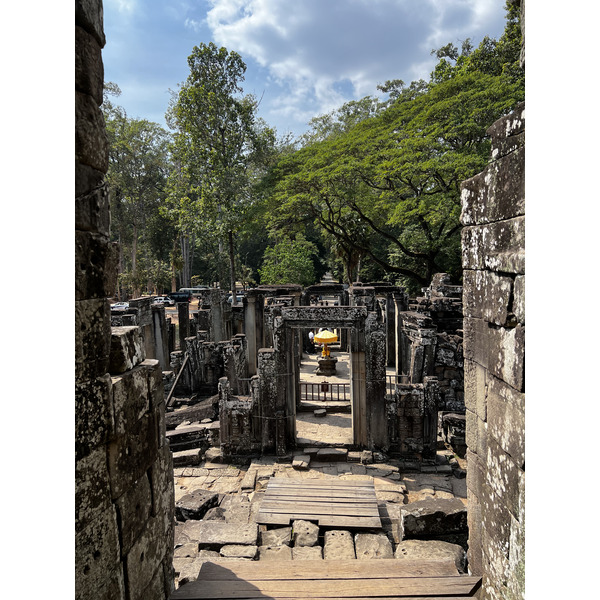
(326, 366)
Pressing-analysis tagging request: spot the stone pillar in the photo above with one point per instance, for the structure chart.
(390, 329)
(493, 215)
(250, 331)
(375, 359)
(124, 500)
(399, 307)
(183, 314)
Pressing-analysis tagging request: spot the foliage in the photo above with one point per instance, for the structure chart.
(217, 143)
(138, 167)
(385, 187)
(289, 261)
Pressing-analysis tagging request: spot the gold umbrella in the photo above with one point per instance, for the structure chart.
(325, 337)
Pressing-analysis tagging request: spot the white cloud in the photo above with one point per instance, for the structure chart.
(310, 46)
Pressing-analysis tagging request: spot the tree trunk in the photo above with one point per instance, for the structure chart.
(136, 288)
(185, 256)
(232, 268)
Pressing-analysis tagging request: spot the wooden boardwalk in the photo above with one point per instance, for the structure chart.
(330, 502)
(392, 579)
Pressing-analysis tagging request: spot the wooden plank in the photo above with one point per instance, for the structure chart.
(350, 522)
(316, 483)
(273, 504)
(298, 493)
(301, 597)
(329, 569)
(323, 520)
(324, 496)
(346, 588)
(321, 509)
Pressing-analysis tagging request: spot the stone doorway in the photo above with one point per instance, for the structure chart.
(324, 411)
(364, 340)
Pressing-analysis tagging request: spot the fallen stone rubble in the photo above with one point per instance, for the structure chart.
(423, 515)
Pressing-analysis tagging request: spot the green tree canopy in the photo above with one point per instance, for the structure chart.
(217, 138)
(289, 261)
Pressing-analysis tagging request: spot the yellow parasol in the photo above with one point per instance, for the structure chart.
(325, 337)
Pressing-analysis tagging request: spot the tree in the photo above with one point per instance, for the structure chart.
(215, 136)
(387, 188)
(289, 261)
(138, 166)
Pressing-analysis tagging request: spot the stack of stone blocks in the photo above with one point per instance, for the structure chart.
(493, 215)
(124, 511)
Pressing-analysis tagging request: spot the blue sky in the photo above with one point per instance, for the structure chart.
(304, 57)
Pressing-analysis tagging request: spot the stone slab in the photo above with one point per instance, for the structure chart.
(305, 533)
(372, 545)
(215, 534)
(280, 536)
(431, 550)
(338, 545)
(239, 551)
(307, 553)
(274, 553)
(195, 505)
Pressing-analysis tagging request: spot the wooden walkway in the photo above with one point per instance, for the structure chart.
(331, 502)
(392, 579)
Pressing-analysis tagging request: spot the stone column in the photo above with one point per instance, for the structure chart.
(375, 359)
(250, 331)
(493, 243)
(183, 314)
(390, 329)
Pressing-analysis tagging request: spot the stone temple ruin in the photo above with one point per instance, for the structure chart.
(187, 438)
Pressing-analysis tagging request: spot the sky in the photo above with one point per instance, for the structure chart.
(304, 57)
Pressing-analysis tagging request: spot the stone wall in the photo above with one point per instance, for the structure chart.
(493, 215)
(124, 508)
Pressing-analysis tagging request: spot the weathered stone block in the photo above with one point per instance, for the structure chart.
(508, 133)
(471, 430)
(214, 534)
(188, 550)
(280, 536)
(86, 179)
(97, 555)
(131, 455)
(94, 423)
(134, 508)
(187, 457)
(92, 343)
(507, 420)
(507, 355)
(432, 550)
(95, 266)
(89, 70)
(305, 533)
(475, 472)
(195, 505)
(519, 299)
(495, 519)
(307, 553)
(249, 480)
(430, 518)
(372, 545)
(331, 454)
(92, 211)
(475, 382)
(497, 193)
(502, 476)
(338, 545)
(274, 553)
(130, 398)
(126, 349)
(92, 485)
(90, 15)
(487, 295)
(238, 551)
(495, 246)
(91, 141)
(145, 557)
